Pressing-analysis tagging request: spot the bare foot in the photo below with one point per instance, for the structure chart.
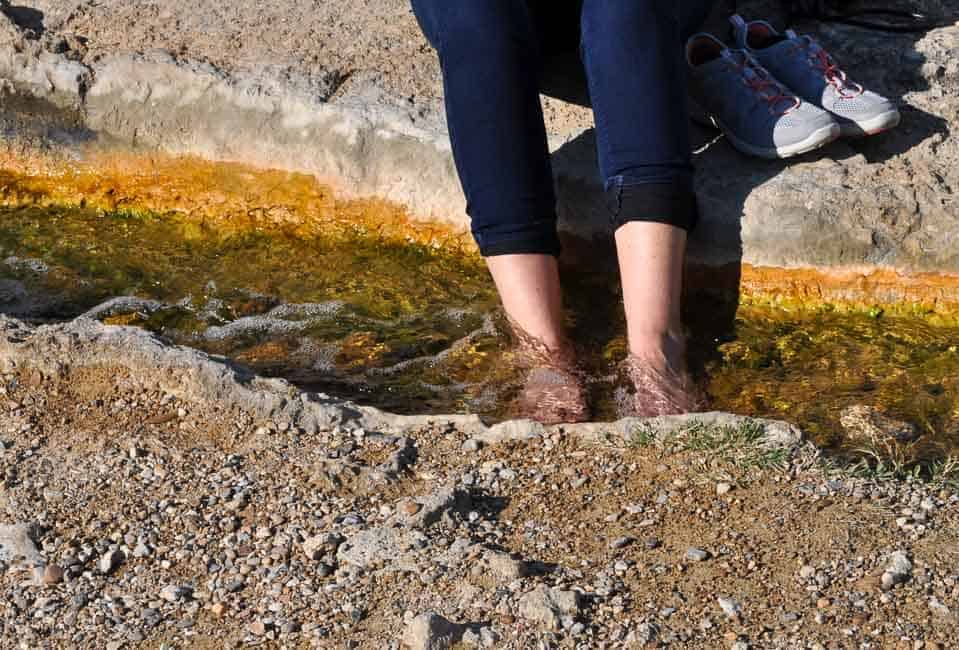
(552, 396)
(658, 384)
(553, 392)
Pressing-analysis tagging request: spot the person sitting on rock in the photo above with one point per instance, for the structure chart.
(490, 52)
(632, 50)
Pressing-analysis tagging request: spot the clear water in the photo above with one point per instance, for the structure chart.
(414, 328)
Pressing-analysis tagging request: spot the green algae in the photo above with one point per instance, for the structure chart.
(412, 327)
(809, 367)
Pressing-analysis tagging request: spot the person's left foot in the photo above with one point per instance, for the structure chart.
(656, 389)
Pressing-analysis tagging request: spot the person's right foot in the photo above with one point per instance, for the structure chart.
(656, 389)
(552, 395)
(553, 390)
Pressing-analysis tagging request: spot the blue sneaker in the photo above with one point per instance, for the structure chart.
(732, 91)
(801, 63)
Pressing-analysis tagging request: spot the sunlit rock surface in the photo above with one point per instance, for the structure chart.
(350, 92)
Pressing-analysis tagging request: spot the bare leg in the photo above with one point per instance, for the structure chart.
(529, 287)
(651, 265)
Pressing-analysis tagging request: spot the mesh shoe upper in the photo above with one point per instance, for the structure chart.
(802, 64)
(746, 99)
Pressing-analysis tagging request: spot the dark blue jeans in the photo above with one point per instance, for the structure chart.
(491, 53)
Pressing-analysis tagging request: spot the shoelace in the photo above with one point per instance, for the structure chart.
(822, 61)
(756, 77)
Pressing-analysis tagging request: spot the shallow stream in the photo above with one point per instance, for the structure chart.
(415, 328)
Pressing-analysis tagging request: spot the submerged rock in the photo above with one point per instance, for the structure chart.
(869, 424)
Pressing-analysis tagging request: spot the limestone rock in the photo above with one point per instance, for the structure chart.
(898, 570)
(10, 35)
(430, 631)
(434, 508)
(381, 545)
(485, 637)
(548, 606)
(110, 561)
(503, 567)
(511, 430)
(317, 546)
(17, 546)
(175, 593)
(52, 574)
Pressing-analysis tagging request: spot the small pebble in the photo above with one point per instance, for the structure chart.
(52, 574)
(730, 607)
(109, 561)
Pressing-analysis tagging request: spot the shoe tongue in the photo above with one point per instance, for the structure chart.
(740, 29)
(737, 56)
(750, 66)
(804, 40)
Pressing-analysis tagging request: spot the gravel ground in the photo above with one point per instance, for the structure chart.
(136, 516)
(145, 519)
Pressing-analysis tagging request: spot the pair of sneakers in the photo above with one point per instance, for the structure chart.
(778, 95)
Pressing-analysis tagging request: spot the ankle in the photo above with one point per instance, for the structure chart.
(664, 350)
(551, 350)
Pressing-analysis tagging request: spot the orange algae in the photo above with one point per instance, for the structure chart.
(233, 197)
(230, 197)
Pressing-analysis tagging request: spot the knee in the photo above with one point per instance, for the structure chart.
(478, 28)
(610, 17)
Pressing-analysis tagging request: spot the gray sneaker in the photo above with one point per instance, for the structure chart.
(801, 63)
(760, 116)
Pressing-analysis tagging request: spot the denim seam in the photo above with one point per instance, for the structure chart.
(615, 212)
(637, 183)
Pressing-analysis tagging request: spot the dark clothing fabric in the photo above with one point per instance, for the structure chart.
(492, 53)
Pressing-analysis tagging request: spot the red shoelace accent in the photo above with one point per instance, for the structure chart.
(760, 81)
(831, 71)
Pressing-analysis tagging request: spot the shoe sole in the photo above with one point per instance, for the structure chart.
(872, 126)
(818, 138)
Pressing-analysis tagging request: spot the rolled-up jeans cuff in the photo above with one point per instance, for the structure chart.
(671, 202)
(536, 238)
